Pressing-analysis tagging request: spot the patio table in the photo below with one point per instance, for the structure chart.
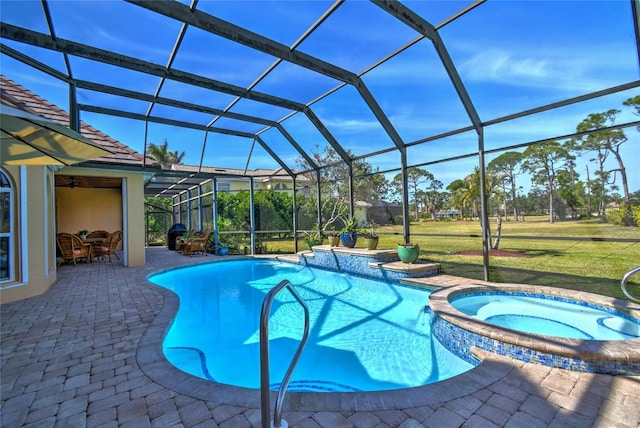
(96, 246)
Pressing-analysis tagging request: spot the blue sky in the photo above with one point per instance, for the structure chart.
(511, 56)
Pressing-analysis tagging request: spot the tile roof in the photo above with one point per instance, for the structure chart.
(258, 172)
(21, 98)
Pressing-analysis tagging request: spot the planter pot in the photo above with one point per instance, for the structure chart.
(371, 243)
(408, 253)
(349, 239)
(223, 251)
(334, 241)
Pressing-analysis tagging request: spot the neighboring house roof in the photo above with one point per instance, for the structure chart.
(265, 174)
(17, 96)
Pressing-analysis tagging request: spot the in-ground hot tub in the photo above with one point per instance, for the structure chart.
(530, 324)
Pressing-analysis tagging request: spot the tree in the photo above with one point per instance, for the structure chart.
(603, 143)
(157, 216)
(417, 179)
(163, 155)
(634, 102)
(432, 200)
(506, 165)
(334, 187)
(571, 191)
(543, 162)
(457, 197)
(467, 192)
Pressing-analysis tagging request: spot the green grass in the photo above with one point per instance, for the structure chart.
(584, 265)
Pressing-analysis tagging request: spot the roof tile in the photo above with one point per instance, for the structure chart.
(21, 98)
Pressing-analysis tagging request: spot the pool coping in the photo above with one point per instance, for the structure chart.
(154, 364)
(621, 350)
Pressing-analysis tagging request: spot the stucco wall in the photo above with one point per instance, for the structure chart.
(91, 209)
(34, 240)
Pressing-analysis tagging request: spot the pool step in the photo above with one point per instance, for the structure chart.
(417, 267)
(291, 258)
(377, 264)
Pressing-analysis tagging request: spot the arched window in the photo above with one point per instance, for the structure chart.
(6, 229)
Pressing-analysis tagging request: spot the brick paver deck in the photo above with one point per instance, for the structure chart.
(87, 353)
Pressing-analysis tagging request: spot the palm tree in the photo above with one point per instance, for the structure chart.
(458, 195)
(165, 157)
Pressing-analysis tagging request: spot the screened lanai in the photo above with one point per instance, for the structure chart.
(384, 105)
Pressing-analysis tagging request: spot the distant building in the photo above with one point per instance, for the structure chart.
(233, 180)
(441, 214)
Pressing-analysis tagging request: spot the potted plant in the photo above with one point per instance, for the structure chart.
(370, 237)
(313, 238)
(408, 253)
(222, 249)
(349, 234)
(83, 233)
(333, 237)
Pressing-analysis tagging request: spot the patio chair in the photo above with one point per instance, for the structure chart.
(180, 240)
(110, 246)
(196, 245)
(96, 247)
(72, 248)
(98, 234)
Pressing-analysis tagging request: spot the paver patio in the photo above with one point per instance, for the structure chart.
(86, 353)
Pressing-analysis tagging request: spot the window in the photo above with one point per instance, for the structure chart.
(6, 228)
(223, 187)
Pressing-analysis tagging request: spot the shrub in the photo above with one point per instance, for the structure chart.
(617, 215)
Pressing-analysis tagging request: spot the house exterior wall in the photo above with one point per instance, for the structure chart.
(34, 246)
(239, 184)
(361, 214)
(134, 232)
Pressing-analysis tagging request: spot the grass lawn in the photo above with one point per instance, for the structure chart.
(585, 264)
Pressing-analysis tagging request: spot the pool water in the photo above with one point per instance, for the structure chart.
(365, 335)
(541, 314)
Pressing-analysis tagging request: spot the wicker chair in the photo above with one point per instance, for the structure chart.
(196, 245)
(180, 240)
(96, 247)
(98, 234)
(110, 246)
(72, 248)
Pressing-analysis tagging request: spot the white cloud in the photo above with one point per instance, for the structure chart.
(351, 125)
(563, 69)
(501, 65)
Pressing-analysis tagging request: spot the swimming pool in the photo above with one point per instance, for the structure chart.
(365, 335)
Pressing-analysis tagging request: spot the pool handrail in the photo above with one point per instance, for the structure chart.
(265, 399)
(624, 281)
